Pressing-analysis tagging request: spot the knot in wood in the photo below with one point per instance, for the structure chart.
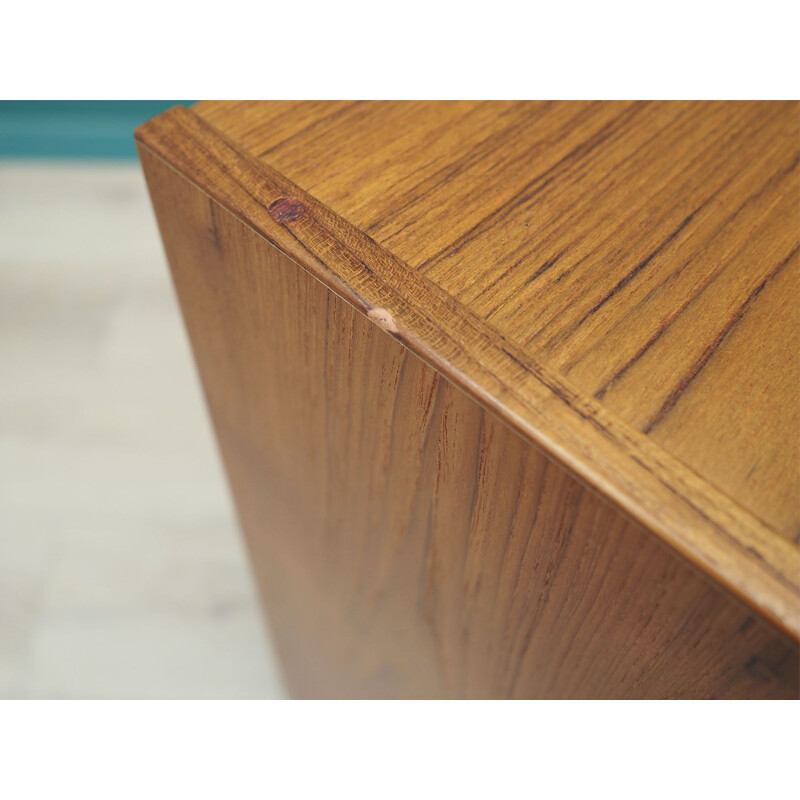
(286, 210)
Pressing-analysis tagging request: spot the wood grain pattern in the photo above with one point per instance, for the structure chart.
(622, 244)
(631, 468)
(408, 542)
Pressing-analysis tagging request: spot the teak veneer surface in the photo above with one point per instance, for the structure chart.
(646, 251)
(617, 281)
(407, 542)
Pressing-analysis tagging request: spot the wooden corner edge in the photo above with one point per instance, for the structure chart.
(699, 522)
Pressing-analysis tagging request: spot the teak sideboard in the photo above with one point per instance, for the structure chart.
(507, 392)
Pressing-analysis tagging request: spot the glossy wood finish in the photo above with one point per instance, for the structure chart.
(408, 543)
(640, 334)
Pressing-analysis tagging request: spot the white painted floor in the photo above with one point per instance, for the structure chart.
(122, 572)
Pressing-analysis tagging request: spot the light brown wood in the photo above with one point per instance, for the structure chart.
(617, 283)
(407, 542)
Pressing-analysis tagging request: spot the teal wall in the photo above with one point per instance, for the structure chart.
(81, 129)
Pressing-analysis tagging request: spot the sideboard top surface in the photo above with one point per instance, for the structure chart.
(619, 281)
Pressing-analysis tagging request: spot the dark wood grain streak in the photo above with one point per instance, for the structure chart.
(408, 542)
(531, 189)
(709, 351)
